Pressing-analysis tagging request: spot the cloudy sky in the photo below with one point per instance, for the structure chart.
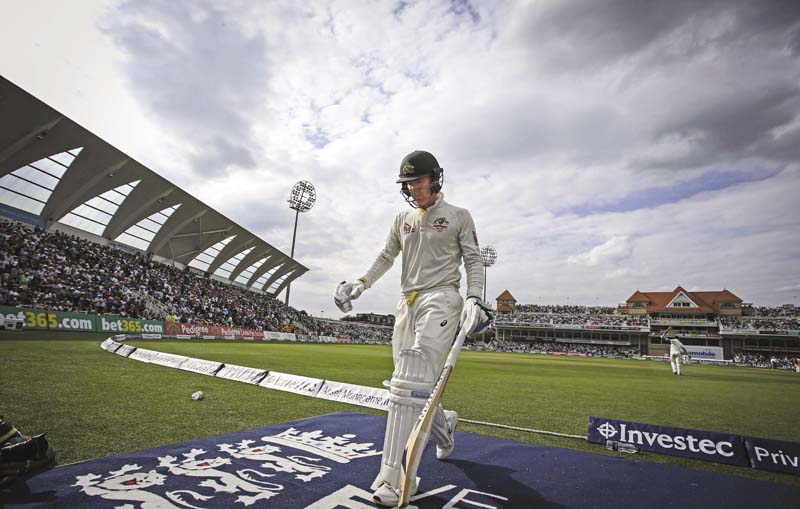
(601, 146)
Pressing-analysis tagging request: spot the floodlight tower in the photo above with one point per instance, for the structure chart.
(301, 198)
(488, 257)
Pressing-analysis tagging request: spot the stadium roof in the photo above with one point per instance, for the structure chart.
(506, 295)
(703, 302)
(54, 172)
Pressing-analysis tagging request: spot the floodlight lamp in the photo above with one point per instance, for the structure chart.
(302, 196)
(488, 256)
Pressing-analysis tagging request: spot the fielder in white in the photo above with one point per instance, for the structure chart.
(676, 353)
(433, 237)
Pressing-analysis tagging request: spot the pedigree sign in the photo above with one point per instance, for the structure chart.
(190, 329)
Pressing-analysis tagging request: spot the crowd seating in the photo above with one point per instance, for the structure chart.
(579, 318)
(762, 311)
(757, 360)
(499, 345)
(358, 332)
(564, 310)
(53, 270)
(760, 323)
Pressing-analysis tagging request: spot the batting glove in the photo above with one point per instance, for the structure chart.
(475, 316)
(347, 292)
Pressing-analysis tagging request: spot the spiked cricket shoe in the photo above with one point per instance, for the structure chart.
(387, 496)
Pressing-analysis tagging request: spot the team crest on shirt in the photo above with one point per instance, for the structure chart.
(440, 223)
(407, 228)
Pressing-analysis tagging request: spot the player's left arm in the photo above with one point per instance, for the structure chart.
(475, 315)
(471, 253)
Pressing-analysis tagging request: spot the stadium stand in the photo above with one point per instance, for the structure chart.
(564, 310)
(92, 230)
(54, 270)
(57, 175)
(758, 324)
(586, 350)
(716, 321)
(356, 332)
(576, 317)
(756, 360)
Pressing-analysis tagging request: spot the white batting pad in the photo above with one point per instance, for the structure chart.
(412, 381)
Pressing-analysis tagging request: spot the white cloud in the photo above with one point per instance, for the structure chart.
(613, 251)
(552, 120)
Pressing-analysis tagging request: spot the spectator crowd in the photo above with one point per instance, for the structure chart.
(549, 309)
(550, 347)
(578, 318)
(788, 323)
(54, 270)
(357, 332)
(58, 271)
(760, 360)
(762, 311)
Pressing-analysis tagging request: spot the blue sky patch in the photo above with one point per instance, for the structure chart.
(651, 197)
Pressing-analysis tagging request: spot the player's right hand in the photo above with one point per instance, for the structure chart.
(475, 315)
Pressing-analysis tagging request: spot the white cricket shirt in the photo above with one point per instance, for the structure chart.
(675, 346)
(433, 242)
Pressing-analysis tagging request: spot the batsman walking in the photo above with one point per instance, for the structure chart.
(676, 355)
(433, 237)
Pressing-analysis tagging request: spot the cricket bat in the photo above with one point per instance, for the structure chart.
(422, 429)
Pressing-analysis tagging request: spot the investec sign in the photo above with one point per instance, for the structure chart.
(688, 443)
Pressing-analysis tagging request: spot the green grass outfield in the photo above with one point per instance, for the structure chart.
(93, 403)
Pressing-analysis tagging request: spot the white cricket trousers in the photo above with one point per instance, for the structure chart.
(428, 325)
(676, 361)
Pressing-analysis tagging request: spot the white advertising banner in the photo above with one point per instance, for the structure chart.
(200, 366)
(125, 350)
(359, 395)
(292, 383)
(279, 336)
(241, 373)
(705, 352)
(109, 345)
(169, 360)
(143, 355)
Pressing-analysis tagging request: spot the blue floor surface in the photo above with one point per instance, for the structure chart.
(329, 461)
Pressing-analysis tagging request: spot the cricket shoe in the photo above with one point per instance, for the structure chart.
(443, 451)
(387, 496)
